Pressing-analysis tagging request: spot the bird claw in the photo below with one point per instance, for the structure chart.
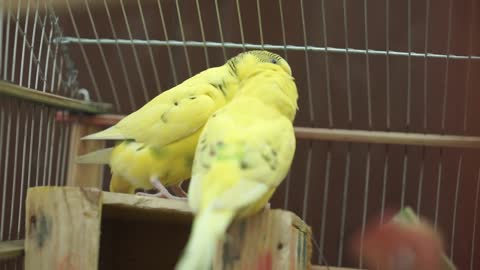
(178, 190)
(162, 191)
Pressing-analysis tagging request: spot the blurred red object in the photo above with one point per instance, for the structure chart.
(399, 246)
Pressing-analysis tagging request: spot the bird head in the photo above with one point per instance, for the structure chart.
(248, 63)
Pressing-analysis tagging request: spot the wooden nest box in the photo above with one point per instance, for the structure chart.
(72, 228)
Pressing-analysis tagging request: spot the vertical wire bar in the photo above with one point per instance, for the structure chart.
(473, 16)
(444, 109)
(52, 145)
(62, 87)
(39, 146)
(32, 51)
(47, 59)
(311, 111)
(131, 98)
(425, 67)
(135, 54)
(260, 23)
(40, 52)
(287, 191)
(307, 66)
(420, 181)
(2, 10)
(404, 176)
(84, 53)
(103, 58)
(182, 34)
(307, 181)
(344, 207)
(388, 105)
(409, 90)
(425, 104)
(384, 185)
(169, 49)
(13, 180)
(240, 23)
(459, 172)
(347, 60)
(439, 181)
(367, 65)
(474, 232)
(365, 205)
(7, 41)
(387, 60)
(202, 32)
(30, 152)
(329, 144)
(53, 22)
(409, 62)
(14, 55)
(65, 151)
(48, 142)
(149, 46)
(465, 117)
(369, 105)
(220, 30)
(347, 166)
(8, 109)
(22, 175)
(325, 202)
(59, 152)
(22, 62)
(447, 62)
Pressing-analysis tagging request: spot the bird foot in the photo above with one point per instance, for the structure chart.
(178, 190)
(162, 191)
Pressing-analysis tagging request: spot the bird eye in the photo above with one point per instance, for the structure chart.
(273, 61)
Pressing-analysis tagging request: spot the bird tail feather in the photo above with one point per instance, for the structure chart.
(101, 156)
(208, 228)
(111, 133)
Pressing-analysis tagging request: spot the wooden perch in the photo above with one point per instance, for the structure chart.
(85, 228)
(325, 134)
(11, 249)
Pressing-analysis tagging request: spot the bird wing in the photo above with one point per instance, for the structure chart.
(171, 116)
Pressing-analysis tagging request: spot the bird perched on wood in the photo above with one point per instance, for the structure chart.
(405, 242)
(243, 154)
(157, 142)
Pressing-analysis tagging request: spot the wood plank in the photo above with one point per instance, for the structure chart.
(272, 239)
(321, 267)
(20, 92)
(62, 228)
(11, 249)
(339, 135)
(64, 224)
(83, 175)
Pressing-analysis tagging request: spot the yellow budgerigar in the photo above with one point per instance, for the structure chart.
(157, 142)
(243, 154)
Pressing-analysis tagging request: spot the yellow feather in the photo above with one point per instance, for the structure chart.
(162, 135)
(101, 156)
(243, 154)
(111, 133)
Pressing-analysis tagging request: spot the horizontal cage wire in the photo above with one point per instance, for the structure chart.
(378, 65)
